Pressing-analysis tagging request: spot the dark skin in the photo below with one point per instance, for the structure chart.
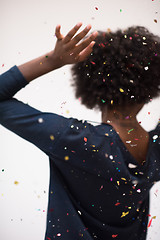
(135, 138)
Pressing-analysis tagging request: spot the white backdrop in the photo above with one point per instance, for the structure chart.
(27, 31)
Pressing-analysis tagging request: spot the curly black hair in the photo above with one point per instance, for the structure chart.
(123, 69)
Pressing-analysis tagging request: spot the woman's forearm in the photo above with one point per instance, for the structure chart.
(38, 66)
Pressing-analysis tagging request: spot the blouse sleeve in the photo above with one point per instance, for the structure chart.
(40, 128)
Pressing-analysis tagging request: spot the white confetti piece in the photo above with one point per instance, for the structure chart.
(155, 137)
(130, 165)
(40, 120)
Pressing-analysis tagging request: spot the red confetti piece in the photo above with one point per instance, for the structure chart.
(2, 65)
(155, 20)
(149, 113)
(149, 223)
(96, 8)
(93, 63)
(114, 235)
(85, 139)
(101, 44)
(48, 238)
(117, 204)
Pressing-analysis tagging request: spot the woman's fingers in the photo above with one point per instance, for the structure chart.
(84, 54)
(71, 33)
(85, 43)
(78, 38)
(68, 49)
(58, 33)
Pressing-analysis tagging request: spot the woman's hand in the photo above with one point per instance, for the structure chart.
(67, 50)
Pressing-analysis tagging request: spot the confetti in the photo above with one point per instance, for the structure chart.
(40, 120)
(149, 223)
(85, 139)
(155, 137)
(121, 90)
(46, 56)
(124, 214)
(93, 63)
(16, 182)
(155, 20)
(114, 235)
(2, 65)
(135, 182)
(117, 204)
(146, 68)
(79, 212)
(2, 170)
(101, 188)
(130, 130)
(58, 234)
(96, 8)
(120, 10)
(66, 158)
(52, 137)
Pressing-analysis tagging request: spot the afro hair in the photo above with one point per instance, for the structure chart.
(123, 69)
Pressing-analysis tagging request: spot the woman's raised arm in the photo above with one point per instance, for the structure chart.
(66, 51)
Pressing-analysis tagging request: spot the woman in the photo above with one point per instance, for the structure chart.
(100, 176)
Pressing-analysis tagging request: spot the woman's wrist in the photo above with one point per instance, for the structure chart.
(40, 66)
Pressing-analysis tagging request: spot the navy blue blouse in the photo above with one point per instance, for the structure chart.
(97, 189)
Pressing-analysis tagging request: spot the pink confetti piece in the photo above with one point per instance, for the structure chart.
(58, 234)
(114, 235)
(93, 63)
